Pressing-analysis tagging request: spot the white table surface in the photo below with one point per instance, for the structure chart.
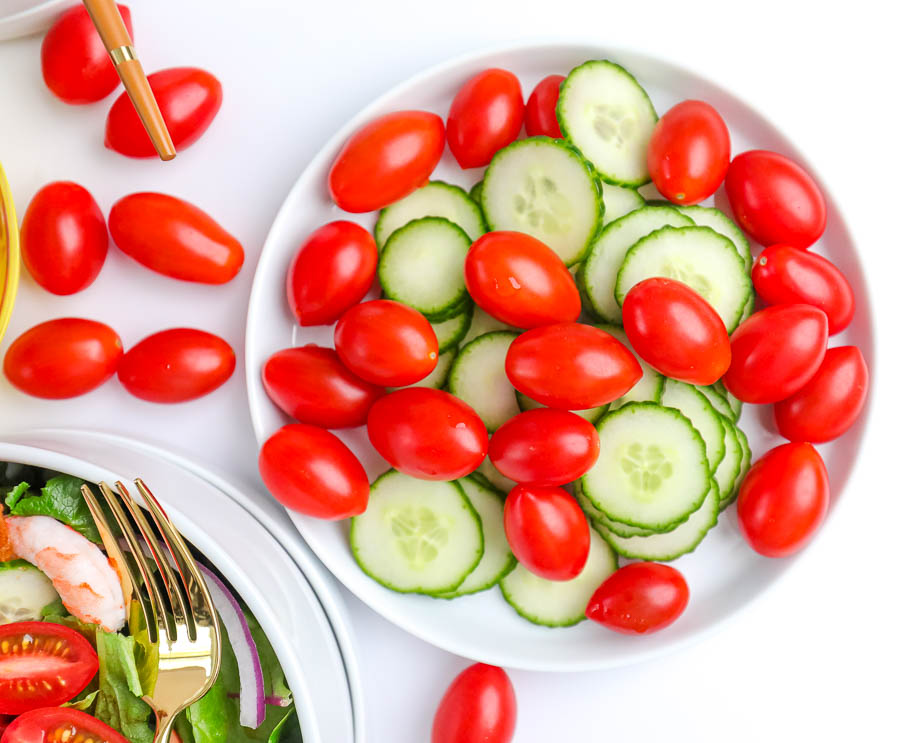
(815, 658)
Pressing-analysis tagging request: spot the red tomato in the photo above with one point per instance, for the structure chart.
(829, 403)
(640, 598)
(485, 116)
(520, 281)
(544, 447)
(547, 531)
(387, 159)
(312, 385)
(386, 343)
(676, 331)
(688, 152)
(74, 62)
(176, 365)
(478, 707)
(52, 724)
(426, 433)
(540, 111)
(786, 275)
(783, 499)
(174, 238)
(64, 238)
(42, 665)
(189, 99)
(331, 272)
(310, 470)
(571, 366)
(774, 200)
(776, 351)
(63, 358)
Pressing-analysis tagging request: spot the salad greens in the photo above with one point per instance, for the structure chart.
(119, 702)
(60, 498)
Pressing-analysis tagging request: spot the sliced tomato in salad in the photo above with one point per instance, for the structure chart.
(42, 664)
(52, 724)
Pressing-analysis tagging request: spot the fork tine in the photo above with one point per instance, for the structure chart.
(174, 588)
(156, 598)
(198, 594)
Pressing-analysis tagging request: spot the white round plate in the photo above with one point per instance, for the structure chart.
(723, 573)
(21, 17)
(261, 571)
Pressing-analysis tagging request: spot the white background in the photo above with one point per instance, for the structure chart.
(815, 659)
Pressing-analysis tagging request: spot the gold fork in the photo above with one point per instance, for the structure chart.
(176, 605)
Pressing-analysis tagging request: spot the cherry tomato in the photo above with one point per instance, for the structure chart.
(783, 499)
(547, 531)
(174, 238)
(485, 116)
(520, 281)
(829, 403)
(386, 343)
(57, 724)
(74, 62)
(331, 272)
(312, 385)
(176, 365)
(42, 665)
(544, 447)
(786, 275)
(64, 238)
(688, 152)
(571, 366)
(426, 433)
(676, 331)
(640, 598)
(310, 470)
(188, 98)
(540, 111)
(775, 352)
(387, 159)
(774, 200)
(478, 707)
(63, 358)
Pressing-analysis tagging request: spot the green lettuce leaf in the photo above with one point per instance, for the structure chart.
(60, 498)
(288, 730)
(273, 676)
(210, 716)
(119, 702)
(56, 613)
(84, 702)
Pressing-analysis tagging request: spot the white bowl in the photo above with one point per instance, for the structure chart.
(321, 673)
(22, 17)
(724, 574)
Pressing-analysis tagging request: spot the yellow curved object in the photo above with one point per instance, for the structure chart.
(9, 253)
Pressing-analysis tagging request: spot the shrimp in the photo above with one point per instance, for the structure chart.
(6, 551)
(80, 572)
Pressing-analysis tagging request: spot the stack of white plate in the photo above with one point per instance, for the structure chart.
(295, 600)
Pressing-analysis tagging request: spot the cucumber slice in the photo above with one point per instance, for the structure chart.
(736, 405)
(483, 323)
(491, 474)
(451, 331)
(746, 459)
(605, 256)
(609, 117)
(422, 265)
(750, 307)
(717, 400)
(478, 377)
(475, 192)
(698, 256)
(702, 415)
(619, 201)
(652, 470)
(498, 558)
(24, 591)
(434, 199)
(597, 518)
(544, 188)
(707, 216)
(590, 414)
(649, 387)
(438, 377)
(729, 468)
(681, 540)
(556, 603)
(417, 536)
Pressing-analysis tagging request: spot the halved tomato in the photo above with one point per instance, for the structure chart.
(60, 724)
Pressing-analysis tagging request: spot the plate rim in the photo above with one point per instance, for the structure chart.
(862, 293)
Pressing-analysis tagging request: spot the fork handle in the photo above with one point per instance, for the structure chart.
(164, 725)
